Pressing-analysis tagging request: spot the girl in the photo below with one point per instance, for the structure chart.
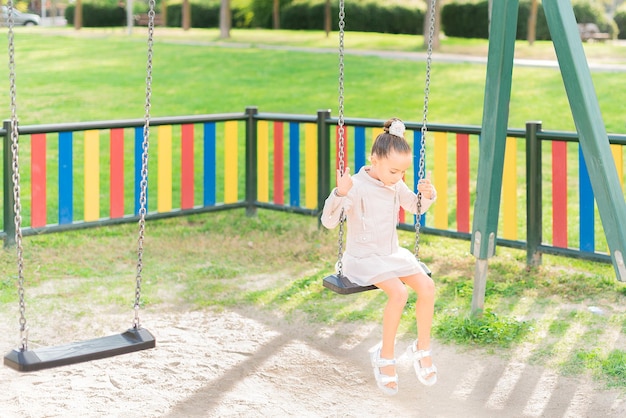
(371, 200)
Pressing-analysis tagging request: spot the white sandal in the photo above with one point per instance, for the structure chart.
(382, 380)
(422, 373)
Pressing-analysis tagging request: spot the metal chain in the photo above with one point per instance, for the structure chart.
(341, 129)
(17, 206)
(422, 163)
(144, 165)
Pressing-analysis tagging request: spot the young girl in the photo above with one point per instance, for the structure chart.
(371, 200)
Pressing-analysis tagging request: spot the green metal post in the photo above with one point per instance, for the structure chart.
(9, 198)
(251, 160)
(494, 127)
(533, 193)
(502, 33)
(324, 174)
(590, 126)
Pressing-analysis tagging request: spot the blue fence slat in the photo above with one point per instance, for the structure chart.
(417, 152)
(210, 163)
(294, 164)
(138, 163)
(359, 148)
(66, 178)
(586, 199)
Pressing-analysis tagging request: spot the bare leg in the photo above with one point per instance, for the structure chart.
(424, 310)
(397, 296)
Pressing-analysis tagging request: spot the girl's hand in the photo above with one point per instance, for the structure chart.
(344, 182)
(425, 187)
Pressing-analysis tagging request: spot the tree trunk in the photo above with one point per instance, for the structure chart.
(276, 14)
(532, 23)
(78, 15)
(437, 26)
(225, 19)
(164, 12)
(327, 18)
(186, 15)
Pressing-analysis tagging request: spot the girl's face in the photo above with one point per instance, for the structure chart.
(390, 170)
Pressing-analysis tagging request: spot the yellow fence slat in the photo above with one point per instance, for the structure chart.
(92, 175)
(310, 165)
(616, 149)
(509, 190)
(440, 179)
(164, 168)
(263, 165)
(230, 162)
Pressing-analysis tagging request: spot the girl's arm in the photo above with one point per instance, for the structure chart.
(331, 214)
(338, 200)
(408, 199)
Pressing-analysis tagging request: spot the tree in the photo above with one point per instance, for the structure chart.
(78, 15)
(186, 15)
(532, 22)
(225, 19)
(327, 18)
(437, 26)
(276, 14)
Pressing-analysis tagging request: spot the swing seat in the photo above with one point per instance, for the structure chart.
(343, 286)
(78, 352)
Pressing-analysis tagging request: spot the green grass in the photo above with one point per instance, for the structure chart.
(99, 74)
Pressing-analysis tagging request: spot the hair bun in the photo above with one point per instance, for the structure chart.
(397, 128)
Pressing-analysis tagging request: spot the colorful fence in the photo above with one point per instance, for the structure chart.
(81, 175)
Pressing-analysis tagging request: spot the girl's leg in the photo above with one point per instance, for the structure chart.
(396, 300)
(424, 310)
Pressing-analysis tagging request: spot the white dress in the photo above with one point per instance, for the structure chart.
(372, 252)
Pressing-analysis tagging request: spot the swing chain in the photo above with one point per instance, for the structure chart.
(422, 164)
(144, 165)
(17, 206)
(341, 129)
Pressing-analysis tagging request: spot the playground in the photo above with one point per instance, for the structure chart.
(242, 361)
(254, 340)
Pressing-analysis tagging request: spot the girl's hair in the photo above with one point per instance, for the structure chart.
(386, 142)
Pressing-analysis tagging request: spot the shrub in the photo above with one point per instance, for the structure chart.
(95, 15)
(620, 22)
(471, 20)
(359, 16)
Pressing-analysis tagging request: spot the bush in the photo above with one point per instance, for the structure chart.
(620, 22)
(262, 11)
(204, 15)
(95, 15)
(361, 17)
(471, 20)
(467, 20)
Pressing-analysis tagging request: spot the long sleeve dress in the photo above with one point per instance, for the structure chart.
(372, 252)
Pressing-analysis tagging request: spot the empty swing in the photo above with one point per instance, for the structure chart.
(338, 282)
(134, 339)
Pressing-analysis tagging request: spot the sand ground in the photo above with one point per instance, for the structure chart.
(243, 363)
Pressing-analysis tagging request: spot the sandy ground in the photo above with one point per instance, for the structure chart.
(245, 363)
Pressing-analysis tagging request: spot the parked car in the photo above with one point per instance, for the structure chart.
(20, 19)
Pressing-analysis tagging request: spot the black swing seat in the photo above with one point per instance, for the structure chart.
(343, 286)
(135, 339)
